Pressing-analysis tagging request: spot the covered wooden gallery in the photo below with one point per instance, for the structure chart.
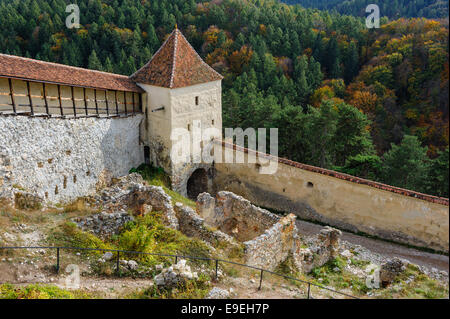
(38, 88)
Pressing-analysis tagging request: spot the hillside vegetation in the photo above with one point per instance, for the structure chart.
(389, 8)
(365, 102)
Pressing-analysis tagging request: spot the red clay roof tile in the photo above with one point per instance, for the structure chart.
(175, 65)
(30, 69)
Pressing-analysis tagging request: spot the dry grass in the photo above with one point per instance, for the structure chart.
(10, 216)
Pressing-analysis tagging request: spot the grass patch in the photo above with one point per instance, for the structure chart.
(80, 206)
(333, 274)
(191, 289)
(10, 215)
(68, 234)
(412, 284)
(149, 234)
(35, 291)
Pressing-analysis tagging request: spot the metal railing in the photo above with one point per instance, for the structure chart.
(216, 260)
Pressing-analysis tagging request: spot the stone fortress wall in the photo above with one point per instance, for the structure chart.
(62, 159)
(339, 200)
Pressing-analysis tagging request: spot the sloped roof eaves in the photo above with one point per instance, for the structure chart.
(41, 71)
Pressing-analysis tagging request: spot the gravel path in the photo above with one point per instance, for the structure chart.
(381, 249)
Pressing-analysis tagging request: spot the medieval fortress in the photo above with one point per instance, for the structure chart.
(66, 132)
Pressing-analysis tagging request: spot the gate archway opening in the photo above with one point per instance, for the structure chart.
(197, 183)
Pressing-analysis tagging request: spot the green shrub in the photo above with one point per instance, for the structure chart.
(69, 234)
(35, 291)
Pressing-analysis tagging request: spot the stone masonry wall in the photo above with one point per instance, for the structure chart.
(345, 202)
(273, 246)
(62, 159)
(235, 215)
(268, 239)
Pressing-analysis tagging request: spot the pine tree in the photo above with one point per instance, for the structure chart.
(93, 62)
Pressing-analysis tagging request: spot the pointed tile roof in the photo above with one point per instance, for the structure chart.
(175, 65)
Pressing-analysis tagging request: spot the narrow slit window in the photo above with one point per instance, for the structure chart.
(196, 100)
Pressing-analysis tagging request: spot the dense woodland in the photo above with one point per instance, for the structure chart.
(390, 8)
(372, 103)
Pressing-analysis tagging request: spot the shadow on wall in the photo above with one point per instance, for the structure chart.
(197, 183)
(120, 148)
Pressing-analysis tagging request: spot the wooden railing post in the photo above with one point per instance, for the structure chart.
(13, 100)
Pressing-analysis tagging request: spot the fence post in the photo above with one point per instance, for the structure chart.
(217, 267)
(176, 259)
(57, 260)
(260, 280)
(309, 289)
(118, 262)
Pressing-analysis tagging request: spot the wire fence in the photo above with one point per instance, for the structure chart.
(176, 257)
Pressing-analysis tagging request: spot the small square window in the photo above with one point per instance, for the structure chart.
(196, 100)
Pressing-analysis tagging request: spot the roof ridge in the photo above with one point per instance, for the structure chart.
(172, 73)
(155, 54)
(63, 65)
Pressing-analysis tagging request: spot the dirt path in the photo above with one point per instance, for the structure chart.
(383, 248)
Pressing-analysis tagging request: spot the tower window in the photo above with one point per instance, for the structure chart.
(189, 127)
(196, 100)
(212, 122)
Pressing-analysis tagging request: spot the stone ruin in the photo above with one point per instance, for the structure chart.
(268, 239)
(104, 224)
(131, 192)
(322, 249)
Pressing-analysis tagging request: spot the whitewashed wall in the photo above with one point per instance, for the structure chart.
(61, 159)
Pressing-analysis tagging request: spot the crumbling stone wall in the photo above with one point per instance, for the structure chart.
(103, 224)
(323, 248)
(340, 200)
(130, 192)
(62, 159)
(268, 239)
(273, 246)
(235, 215)
(193, 225)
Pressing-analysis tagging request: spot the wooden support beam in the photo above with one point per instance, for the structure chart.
(85, 102)
(107, 104)
(29, 98)
(125, 101)
(96, 102)
(45, 100)
(133, 102)
(60, 100)
(73, 102)
(11, 92)
(117, 102)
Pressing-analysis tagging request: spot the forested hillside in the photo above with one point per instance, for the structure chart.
(390, 8)
(372, 103)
